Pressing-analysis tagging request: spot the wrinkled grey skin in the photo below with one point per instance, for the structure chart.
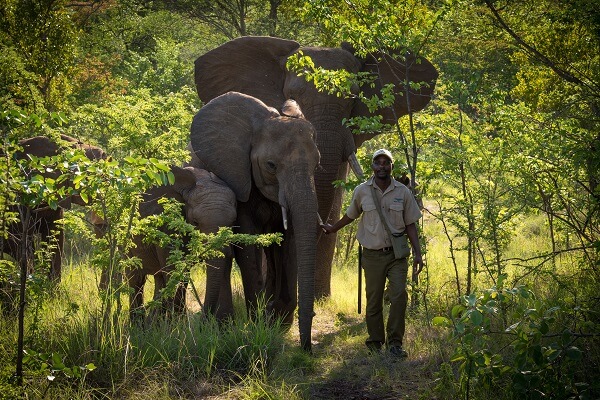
(43, 221)
(268, 159)
(208, 204)
(256, 66)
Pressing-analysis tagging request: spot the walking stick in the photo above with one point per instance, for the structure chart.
(359, 277)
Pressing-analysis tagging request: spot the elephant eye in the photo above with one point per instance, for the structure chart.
(272, 166)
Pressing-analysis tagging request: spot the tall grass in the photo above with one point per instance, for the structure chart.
(196, 357)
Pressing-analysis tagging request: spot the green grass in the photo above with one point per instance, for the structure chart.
(194, 357)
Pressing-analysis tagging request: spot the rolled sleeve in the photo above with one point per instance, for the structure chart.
(355, 208)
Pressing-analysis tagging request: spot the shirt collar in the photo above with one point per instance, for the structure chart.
(371, 182)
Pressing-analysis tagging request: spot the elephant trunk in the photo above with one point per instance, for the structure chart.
(336, 145)
(303, 212)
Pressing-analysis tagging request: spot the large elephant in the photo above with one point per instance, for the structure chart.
(268, 159)
(256, 66)
(43, 221)
(208, 204)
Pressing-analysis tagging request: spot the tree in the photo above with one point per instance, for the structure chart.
(38, 46)
(233, 18)
(506, 90)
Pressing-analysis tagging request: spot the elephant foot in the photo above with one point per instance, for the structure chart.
(306, 345)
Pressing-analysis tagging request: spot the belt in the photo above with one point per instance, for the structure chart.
(384, 249)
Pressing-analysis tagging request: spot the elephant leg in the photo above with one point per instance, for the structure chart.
(136, 280)
(252, 263)
(326, 250)
(282, 278)
(175, 304)
(250, 259)
(160, 282)
(179, 302)
(218, 299)
(53, 235)
(225, 310)
(12, 245)
(57, 253)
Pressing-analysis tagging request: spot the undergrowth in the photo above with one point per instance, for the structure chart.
(543, 330)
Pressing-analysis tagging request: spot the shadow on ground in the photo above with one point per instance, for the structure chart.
(349, 372)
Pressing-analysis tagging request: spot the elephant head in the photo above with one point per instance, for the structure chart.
(268, 159)
(208, 204)
(256, 66)
(44, 218)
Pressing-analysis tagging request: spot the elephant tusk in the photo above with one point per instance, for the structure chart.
(284, 215)
(319, 219)
(356, 166)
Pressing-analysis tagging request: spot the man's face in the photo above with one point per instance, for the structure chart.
(382, 167)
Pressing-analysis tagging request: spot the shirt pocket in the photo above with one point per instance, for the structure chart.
(397, 216)
(370, 217)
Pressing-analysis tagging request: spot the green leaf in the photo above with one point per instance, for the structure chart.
(566, 336)
(154, 176)
(457, 310)
(513, 327)
(471, 300)
(441, 321)
(171, 177)
(476, 317)
(57, 362)
(552, 354)
(544, 328)
(78, 178)
(574, 353)
(36, 120)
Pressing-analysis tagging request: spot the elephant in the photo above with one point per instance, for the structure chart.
(269, 160)
(256, 65)
(208, 203)
(43, 221)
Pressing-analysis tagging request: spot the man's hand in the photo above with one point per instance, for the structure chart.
(327, 228)
(332, 228)
(417, 265)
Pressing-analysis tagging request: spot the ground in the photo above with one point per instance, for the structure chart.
(345, 370)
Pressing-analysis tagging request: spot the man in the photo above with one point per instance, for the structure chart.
(378, 261)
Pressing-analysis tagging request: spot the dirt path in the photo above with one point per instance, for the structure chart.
(345, 370)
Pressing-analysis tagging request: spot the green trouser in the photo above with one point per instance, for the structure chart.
(379, 266)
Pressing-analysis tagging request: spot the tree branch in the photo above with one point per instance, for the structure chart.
(533, 52)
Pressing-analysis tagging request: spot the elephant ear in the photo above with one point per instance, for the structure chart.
(185, 180)
(254, 65)
(291, 109)
(222, 136)
(397, 69)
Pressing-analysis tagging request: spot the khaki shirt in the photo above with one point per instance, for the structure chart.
(398, 205)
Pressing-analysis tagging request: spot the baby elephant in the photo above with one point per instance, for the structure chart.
(208, 204)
